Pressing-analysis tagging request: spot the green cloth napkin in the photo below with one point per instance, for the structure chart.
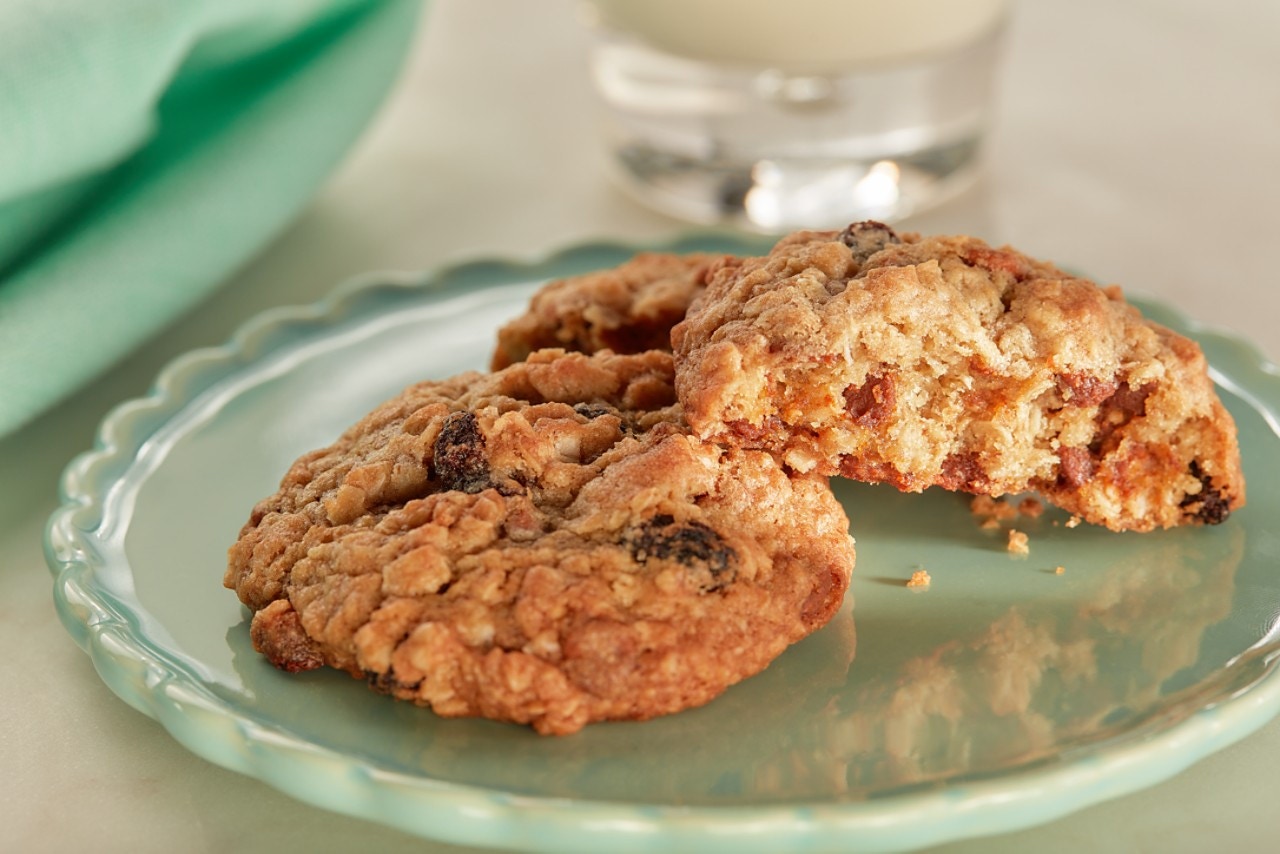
(149, 147)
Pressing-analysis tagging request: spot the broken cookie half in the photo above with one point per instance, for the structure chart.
(922, 361)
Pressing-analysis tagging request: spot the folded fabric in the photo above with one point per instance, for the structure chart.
(149, 147)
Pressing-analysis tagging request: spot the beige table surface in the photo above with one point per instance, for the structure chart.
(1139, 141)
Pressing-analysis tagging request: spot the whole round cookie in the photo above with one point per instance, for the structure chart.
(943, 361)
(627, 309)
(546, 544)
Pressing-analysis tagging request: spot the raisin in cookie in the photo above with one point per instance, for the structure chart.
(546, 544)
(627, 309)
(944, 361)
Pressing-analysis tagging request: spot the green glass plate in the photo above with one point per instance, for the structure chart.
(1005, 695)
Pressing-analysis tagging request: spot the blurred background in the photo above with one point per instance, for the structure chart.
(1137, 142)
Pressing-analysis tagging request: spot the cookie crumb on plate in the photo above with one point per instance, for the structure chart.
(1018, 542)
(989, 509)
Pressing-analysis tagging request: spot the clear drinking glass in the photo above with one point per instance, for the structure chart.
(777, 115)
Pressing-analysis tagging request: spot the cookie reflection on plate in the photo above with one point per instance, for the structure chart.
(1042, 679)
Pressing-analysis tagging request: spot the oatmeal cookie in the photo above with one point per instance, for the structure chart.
(943, 361)
(627, 309)
(546, 544)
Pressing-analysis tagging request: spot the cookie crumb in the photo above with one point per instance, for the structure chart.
(1031, 507)
(1058, 570)
(919, 580)
(1073, 521)
(1018, 543)
(989, 509)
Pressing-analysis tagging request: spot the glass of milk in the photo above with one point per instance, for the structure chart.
(776, 115)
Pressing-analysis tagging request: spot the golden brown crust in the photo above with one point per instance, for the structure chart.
(944, 361)
(546, 545)
(627, 309)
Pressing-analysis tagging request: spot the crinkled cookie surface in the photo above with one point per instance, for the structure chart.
(546, 544)
(627, 309)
